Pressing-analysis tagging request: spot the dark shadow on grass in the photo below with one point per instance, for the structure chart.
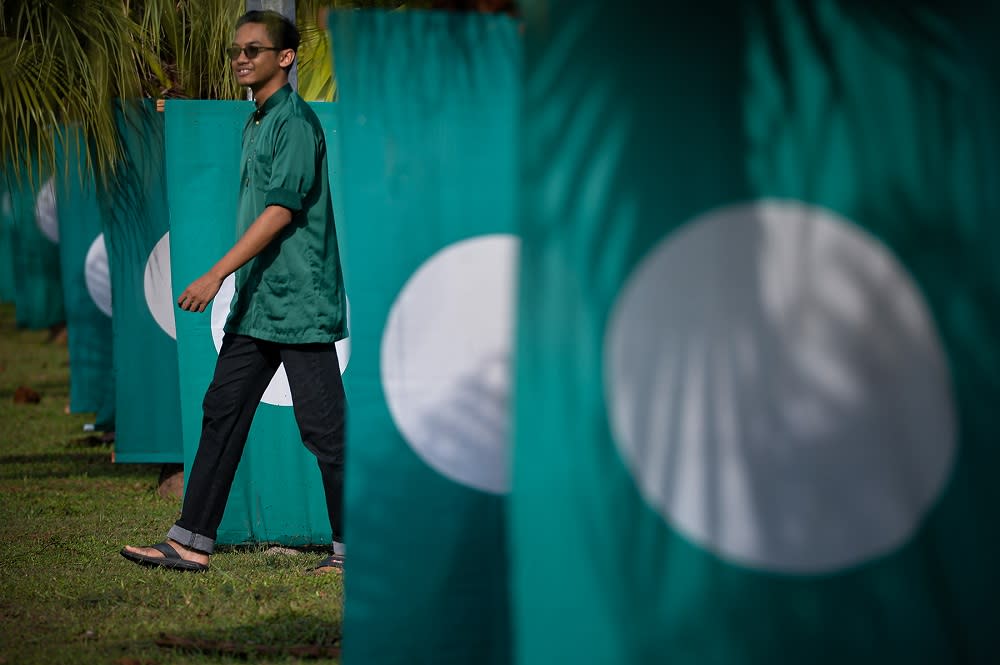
(319, 550)
(282, 637)
(95, 463)
(91, 442)
(50, 388)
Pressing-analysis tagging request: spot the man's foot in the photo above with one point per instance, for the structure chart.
(170, 554)
(332, 563)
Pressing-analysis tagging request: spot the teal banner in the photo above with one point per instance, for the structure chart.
(428, 103)
(86, 283)
(136, 224)
(277, 495)
(34, 248)
(7, 288)
(756, 357)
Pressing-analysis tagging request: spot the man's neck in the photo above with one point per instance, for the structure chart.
(261, 95)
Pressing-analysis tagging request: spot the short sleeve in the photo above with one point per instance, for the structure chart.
(293, 167)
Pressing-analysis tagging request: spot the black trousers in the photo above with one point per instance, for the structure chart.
(245, 368)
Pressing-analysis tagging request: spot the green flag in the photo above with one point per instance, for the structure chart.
(7, 291)
(134, 210)
(428, 103)
(38, 297)
(277, 495)
(86, 285)
(757, 359)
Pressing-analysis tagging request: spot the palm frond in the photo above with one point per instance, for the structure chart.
(189, 37)
(60, 64)
(64, 63)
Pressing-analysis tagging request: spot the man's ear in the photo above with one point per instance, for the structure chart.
(286, 58)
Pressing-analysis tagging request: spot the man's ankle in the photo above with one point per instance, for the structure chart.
(191, 554)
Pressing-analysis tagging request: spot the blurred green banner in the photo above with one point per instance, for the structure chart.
(28, 209)
(757, 359)
(136, 225)
(7, 288)
(86, 283)
(428, 104)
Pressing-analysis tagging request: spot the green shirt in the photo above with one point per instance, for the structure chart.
(292, 292)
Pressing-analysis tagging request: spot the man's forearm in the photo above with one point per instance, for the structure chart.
(260, 234)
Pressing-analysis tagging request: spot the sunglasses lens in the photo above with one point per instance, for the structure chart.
(251, 51)
(233, 52)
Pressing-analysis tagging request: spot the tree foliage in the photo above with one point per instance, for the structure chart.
(64, 63)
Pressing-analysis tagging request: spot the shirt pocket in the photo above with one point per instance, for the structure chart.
(275, 286)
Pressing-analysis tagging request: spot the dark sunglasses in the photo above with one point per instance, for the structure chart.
(252, 51)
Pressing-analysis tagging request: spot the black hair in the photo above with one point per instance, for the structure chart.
(282, 31)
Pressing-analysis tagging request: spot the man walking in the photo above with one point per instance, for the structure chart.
(289, 306)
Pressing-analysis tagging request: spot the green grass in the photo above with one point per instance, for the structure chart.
(67, 596)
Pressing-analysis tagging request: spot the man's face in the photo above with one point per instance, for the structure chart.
(257, 72)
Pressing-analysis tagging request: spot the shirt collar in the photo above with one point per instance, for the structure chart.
(278, 96)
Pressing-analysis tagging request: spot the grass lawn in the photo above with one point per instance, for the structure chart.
(67, 596)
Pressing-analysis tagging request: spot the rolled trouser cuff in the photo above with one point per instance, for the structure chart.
(191, 540)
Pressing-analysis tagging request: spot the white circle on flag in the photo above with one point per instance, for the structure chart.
(445, 360)
(97, 275)
(278, 391)
(778, 390)
(156, 285)
(46, 211)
